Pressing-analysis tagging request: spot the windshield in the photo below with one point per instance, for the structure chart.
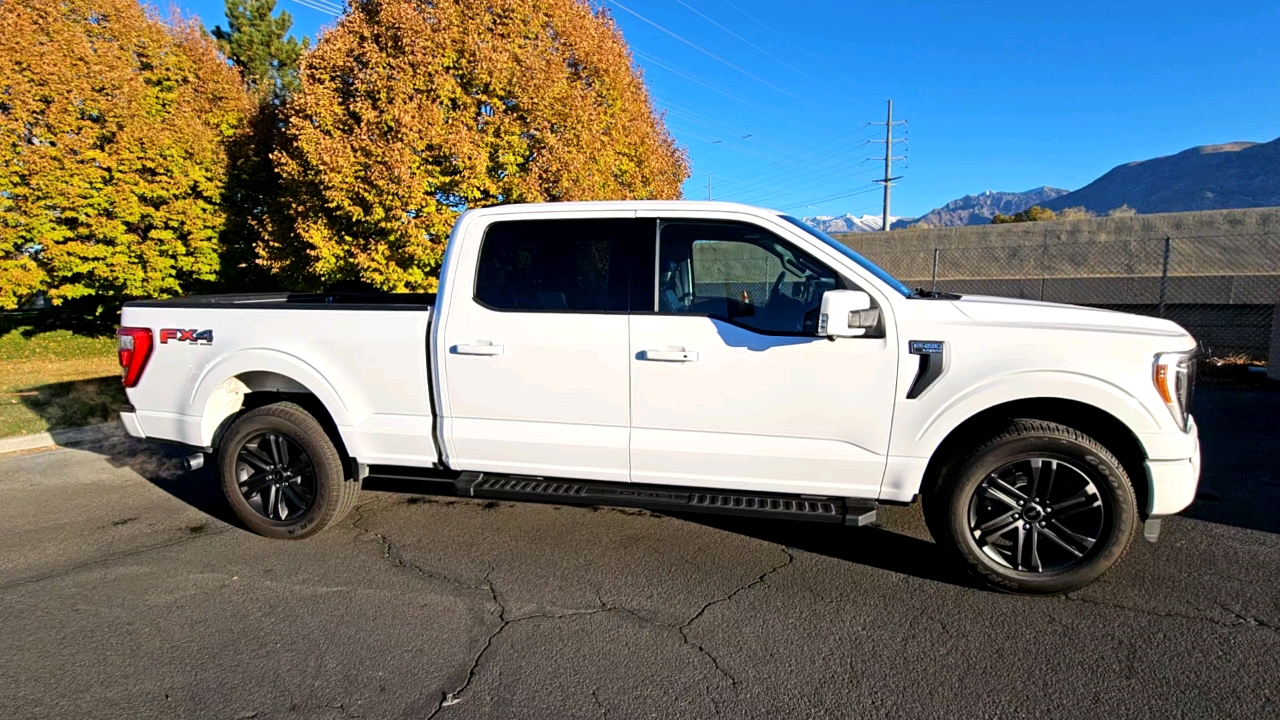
(841, 248)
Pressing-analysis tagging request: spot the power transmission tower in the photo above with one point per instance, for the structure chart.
(889, 157)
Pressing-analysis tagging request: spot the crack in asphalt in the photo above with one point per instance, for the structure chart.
(112, 558)
(392, 554)
(1243, 620)
(604, 711)
(684, 629)
(447, 699)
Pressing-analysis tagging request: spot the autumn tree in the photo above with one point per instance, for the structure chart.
(112, 158)
(1075, 213)
(259, 44)
(411, 111)
(1035, 213)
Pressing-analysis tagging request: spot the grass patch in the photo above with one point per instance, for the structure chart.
(56, 379)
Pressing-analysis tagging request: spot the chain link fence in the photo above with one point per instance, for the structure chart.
(1222, 288)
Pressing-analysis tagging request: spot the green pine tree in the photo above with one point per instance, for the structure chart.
(256, 42)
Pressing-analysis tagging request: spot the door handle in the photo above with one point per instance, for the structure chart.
(679, 356)
(479, 348)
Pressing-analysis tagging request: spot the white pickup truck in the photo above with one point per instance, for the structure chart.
(685, 356)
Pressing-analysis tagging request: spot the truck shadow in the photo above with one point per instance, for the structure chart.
(161, 465)
(1240, 449)
(876, 547)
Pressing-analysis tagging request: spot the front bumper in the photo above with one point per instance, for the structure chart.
(1172, 483)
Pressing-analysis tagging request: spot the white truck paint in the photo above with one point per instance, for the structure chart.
(661, 398)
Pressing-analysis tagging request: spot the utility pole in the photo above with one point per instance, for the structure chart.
(708, 186)
(889, 157)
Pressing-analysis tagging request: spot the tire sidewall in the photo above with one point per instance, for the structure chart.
(323, 458)
(1113, 488)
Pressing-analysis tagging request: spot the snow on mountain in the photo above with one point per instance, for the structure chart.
(848, 223)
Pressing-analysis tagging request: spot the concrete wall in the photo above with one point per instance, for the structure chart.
(1223, 279)
(1239, 224)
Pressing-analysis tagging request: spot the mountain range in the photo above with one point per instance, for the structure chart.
(979, 209)
(850, 223)
(1208, 177)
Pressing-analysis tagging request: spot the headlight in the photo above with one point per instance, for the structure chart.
(1175, 379)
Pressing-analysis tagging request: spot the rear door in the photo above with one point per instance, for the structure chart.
(535, 348)
(730, 385)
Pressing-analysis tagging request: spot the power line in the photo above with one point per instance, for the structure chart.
(818, 182)
(715, 89)
(320, 5)
(779, 60)
(706, 52)
(829, 199)
(804, 162)
(317, 6)
(775, 33)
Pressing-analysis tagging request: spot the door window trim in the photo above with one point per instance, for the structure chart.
(635, 244)
(843, 282)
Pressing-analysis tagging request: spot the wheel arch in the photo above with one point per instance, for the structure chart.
(1091, 420)
(253, 379)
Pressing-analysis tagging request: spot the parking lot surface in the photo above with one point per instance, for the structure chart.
(127, 590)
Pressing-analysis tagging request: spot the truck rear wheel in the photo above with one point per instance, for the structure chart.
(282, 474)
(1038, 509)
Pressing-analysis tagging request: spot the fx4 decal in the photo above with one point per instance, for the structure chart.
(197, 337)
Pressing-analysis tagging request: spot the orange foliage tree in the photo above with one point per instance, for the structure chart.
(411, 111)
(112, 161)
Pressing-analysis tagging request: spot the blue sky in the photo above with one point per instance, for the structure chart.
(772, 98)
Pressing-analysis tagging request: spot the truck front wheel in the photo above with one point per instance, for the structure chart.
(282, 474)
(1040, 508)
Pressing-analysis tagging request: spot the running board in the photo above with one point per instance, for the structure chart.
(849, 511)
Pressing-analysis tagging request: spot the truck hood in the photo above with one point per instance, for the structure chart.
(1015, 313)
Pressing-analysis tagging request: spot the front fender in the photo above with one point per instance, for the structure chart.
(934, 425)
(920, 426)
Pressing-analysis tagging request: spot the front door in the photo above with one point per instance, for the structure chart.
(731, 387)
(535, 354)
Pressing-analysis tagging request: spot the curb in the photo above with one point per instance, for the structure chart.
(64, 436)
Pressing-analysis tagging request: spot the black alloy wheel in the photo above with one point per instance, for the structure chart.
(1037, 514)
(282, 473)
(1039, 508)
(276, 476)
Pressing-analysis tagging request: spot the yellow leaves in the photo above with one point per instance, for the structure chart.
(115, 163)
(117, 128)
(410, 112)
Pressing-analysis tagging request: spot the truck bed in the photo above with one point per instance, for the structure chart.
(364, 356)
(298, 301)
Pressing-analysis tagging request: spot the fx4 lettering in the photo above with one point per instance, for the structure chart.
(198, 337)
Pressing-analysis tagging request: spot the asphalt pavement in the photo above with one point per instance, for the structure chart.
(128, 591)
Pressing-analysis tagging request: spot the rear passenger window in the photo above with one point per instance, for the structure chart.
(556, 265)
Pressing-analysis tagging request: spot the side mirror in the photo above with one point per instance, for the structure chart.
(846, 313)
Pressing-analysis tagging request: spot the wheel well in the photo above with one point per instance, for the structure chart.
(1097, 424)
(258, 389)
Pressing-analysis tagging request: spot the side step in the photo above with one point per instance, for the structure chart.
(656, 497)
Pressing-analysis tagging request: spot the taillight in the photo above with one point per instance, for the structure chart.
(135, 351)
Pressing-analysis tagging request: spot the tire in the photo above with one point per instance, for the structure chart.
(991, 510)
(282, 474)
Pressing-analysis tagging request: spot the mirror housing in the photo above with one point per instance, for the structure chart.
(847, 313)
